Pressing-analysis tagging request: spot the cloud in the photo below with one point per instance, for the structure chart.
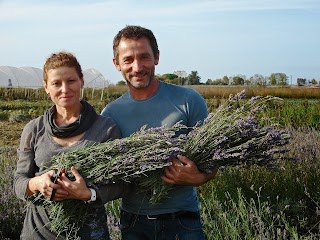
(126, 9)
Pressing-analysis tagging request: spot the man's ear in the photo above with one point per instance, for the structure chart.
(116, 64)
(156, 59)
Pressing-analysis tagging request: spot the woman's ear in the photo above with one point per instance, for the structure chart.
(45, 86)
(82, 82)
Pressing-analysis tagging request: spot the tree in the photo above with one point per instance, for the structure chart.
(180, 73)
(258, 80)
(169, 76)
(278, 79)
(194, 78)
(182, 76)
(209, 82)
(273, 79)
(214, 82)
(238, 80)
(121, 83)
(225, 80)
(313, 81)
(159, 77)
(301, 81)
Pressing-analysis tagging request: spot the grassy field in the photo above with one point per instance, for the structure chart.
(252, 203)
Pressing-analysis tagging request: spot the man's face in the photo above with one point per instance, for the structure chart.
(136, 62)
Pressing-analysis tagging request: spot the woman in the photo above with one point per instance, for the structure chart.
(70, 124)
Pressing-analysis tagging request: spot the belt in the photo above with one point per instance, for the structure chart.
(174, 215)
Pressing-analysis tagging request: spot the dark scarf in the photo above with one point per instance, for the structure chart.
(87, 116)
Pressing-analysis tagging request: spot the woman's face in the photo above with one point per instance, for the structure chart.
(64, 87)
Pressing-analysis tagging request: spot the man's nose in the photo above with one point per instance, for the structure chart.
(137, 66)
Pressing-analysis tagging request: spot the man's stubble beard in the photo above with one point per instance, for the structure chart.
(139, 86)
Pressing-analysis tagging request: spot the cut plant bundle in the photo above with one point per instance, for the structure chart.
(233, 135)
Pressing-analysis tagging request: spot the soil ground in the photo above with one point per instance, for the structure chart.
(10, 133)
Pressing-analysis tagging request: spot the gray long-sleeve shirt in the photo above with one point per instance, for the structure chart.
(35, 151)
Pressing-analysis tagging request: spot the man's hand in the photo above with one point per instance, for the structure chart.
(184, 171)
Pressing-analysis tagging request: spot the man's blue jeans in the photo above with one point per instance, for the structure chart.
(140, 227)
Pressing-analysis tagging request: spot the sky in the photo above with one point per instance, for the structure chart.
(216, 38)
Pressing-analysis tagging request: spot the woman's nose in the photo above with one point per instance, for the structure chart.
(64, 87)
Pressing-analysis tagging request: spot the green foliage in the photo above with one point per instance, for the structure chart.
(278, 79)
(193, 78)
(237, 80)
(258, 80)
(172, 78)
(169, 76)
(291, 193)
(253, 203)
(313, 81)
(121, 83)
(301, 81)
(238, 217)
(217, 82)
(295, 113)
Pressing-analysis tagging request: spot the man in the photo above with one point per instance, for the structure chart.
(154, 103)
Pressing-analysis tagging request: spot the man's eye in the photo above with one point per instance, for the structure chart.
(127, 61)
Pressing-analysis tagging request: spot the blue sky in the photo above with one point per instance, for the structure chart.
(215, 38)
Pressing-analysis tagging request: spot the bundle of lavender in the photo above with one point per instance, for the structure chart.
(231, 136)
(125, 159)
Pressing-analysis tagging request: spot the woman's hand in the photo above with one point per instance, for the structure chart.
(44, 185)
(76, 189)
